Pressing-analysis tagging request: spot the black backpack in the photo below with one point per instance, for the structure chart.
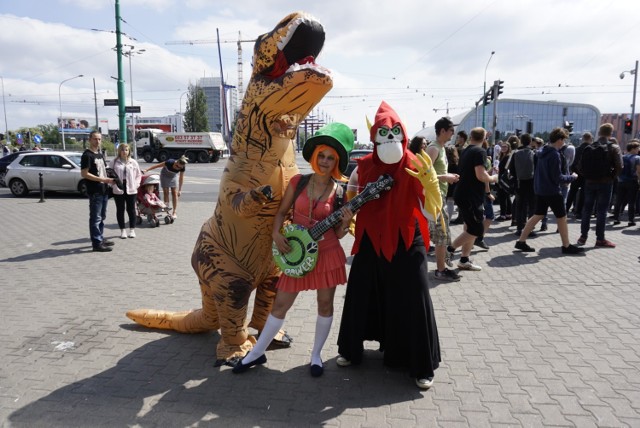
(575, 166)
(595, 161)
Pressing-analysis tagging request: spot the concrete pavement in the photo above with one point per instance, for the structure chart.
(533, 340)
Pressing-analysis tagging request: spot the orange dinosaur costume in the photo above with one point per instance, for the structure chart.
(232, 255)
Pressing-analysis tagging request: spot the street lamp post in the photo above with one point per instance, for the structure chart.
(484, 88)
(4, 108)
(634, 126)
(60, 101)
(130, 53)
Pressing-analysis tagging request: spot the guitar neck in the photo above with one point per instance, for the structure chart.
(322, 227)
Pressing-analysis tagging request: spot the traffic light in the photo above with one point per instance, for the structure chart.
(568, 125)
(498, 86)
(628, 125)
(488, 97)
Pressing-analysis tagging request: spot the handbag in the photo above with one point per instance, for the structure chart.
(111, 173)
(507, 183)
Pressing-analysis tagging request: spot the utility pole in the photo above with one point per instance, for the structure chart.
(122, 122)
(95, 100)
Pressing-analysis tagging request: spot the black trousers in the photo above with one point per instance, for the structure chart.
(128, 201)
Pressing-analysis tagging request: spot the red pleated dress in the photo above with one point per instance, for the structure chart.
(330, 270)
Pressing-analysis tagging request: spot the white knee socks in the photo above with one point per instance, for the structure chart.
(323, 326)
(271, 328)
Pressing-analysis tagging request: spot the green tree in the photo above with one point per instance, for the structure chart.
(49, 132)
(195, 115)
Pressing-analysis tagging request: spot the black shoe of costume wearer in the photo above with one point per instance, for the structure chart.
(241, 368)
(316, 370)
(102, 248)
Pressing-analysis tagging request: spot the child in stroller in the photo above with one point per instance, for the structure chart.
(149, 203)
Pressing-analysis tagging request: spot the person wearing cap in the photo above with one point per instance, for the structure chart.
(328, 153)
(171, 177)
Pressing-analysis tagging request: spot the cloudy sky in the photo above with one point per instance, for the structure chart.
(420, 56)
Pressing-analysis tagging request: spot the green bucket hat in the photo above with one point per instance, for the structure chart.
(336, 135)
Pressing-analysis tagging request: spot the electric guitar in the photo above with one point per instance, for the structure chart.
(303, 256)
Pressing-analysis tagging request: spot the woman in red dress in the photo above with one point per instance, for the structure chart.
(328, 153)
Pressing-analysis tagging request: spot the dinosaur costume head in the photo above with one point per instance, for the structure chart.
(285, 85)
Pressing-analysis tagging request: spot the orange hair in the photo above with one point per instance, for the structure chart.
(335, 173)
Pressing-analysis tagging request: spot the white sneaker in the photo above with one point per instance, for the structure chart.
(123, 234)
(132, 233)
(425, 383)
(342, 361)
(469, 266)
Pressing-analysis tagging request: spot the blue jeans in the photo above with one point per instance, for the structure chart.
(97, 214)
(600, 195)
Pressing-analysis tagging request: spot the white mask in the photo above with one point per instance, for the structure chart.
(389, 144)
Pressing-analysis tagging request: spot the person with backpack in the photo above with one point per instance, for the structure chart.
(548, 179)
(600, 164)
(575, 197)
(628, 183)
(328, 153)
(522, 168)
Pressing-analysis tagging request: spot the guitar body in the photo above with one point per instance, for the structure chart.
(303, 255)
(304, 242)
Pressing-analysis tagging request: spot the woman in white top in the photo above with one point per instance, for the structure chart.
(128, 170)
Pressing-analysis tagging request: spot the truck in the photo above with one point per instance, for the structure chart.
(202, 147)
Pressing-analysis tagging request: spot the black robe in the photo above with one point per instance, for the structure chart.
(389, 302)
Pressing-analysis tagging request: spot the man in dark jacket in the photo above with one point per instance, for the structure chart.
(546, 184)
(522, 167)
(597, 190)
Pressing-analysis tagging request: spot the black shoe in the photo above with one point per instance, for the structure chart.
(518, 232)
(107, 243)
(616, 222)
(241, 368)
(523, 246)
(631, 223)
(543, 228)
(572, 249)
(102, 248)
(533, 234)
(316, 370)
(480, 243)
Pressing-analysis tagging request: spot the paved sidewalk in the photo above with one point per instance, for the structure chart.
(533, 340)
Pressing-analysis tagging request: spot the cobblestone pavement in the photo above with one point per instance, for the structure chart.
(534, 339)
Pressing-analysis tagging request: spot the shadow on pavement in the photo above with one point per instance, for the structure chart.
(49, 254)
(172, 382)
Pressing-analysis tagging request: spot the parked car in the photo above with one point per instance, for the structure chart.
(60, 172)
(4, 162)
(353, 159)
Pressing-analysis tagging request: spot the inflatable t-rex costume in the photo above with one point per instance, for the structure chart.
(232, 255)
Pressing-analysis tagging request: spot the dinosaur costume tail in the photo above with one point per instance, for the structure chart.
(184, 322)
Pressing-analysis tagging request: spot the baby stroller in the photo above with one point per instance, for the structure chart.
(150, 205)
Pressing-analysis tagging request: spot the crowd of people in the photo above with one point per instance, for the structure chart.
(527, 177)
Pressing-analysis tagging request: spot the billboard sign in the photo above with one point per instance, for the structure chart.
(81, 125)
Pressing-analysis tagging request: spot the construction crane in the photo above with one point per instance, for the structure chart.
(240, 41)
